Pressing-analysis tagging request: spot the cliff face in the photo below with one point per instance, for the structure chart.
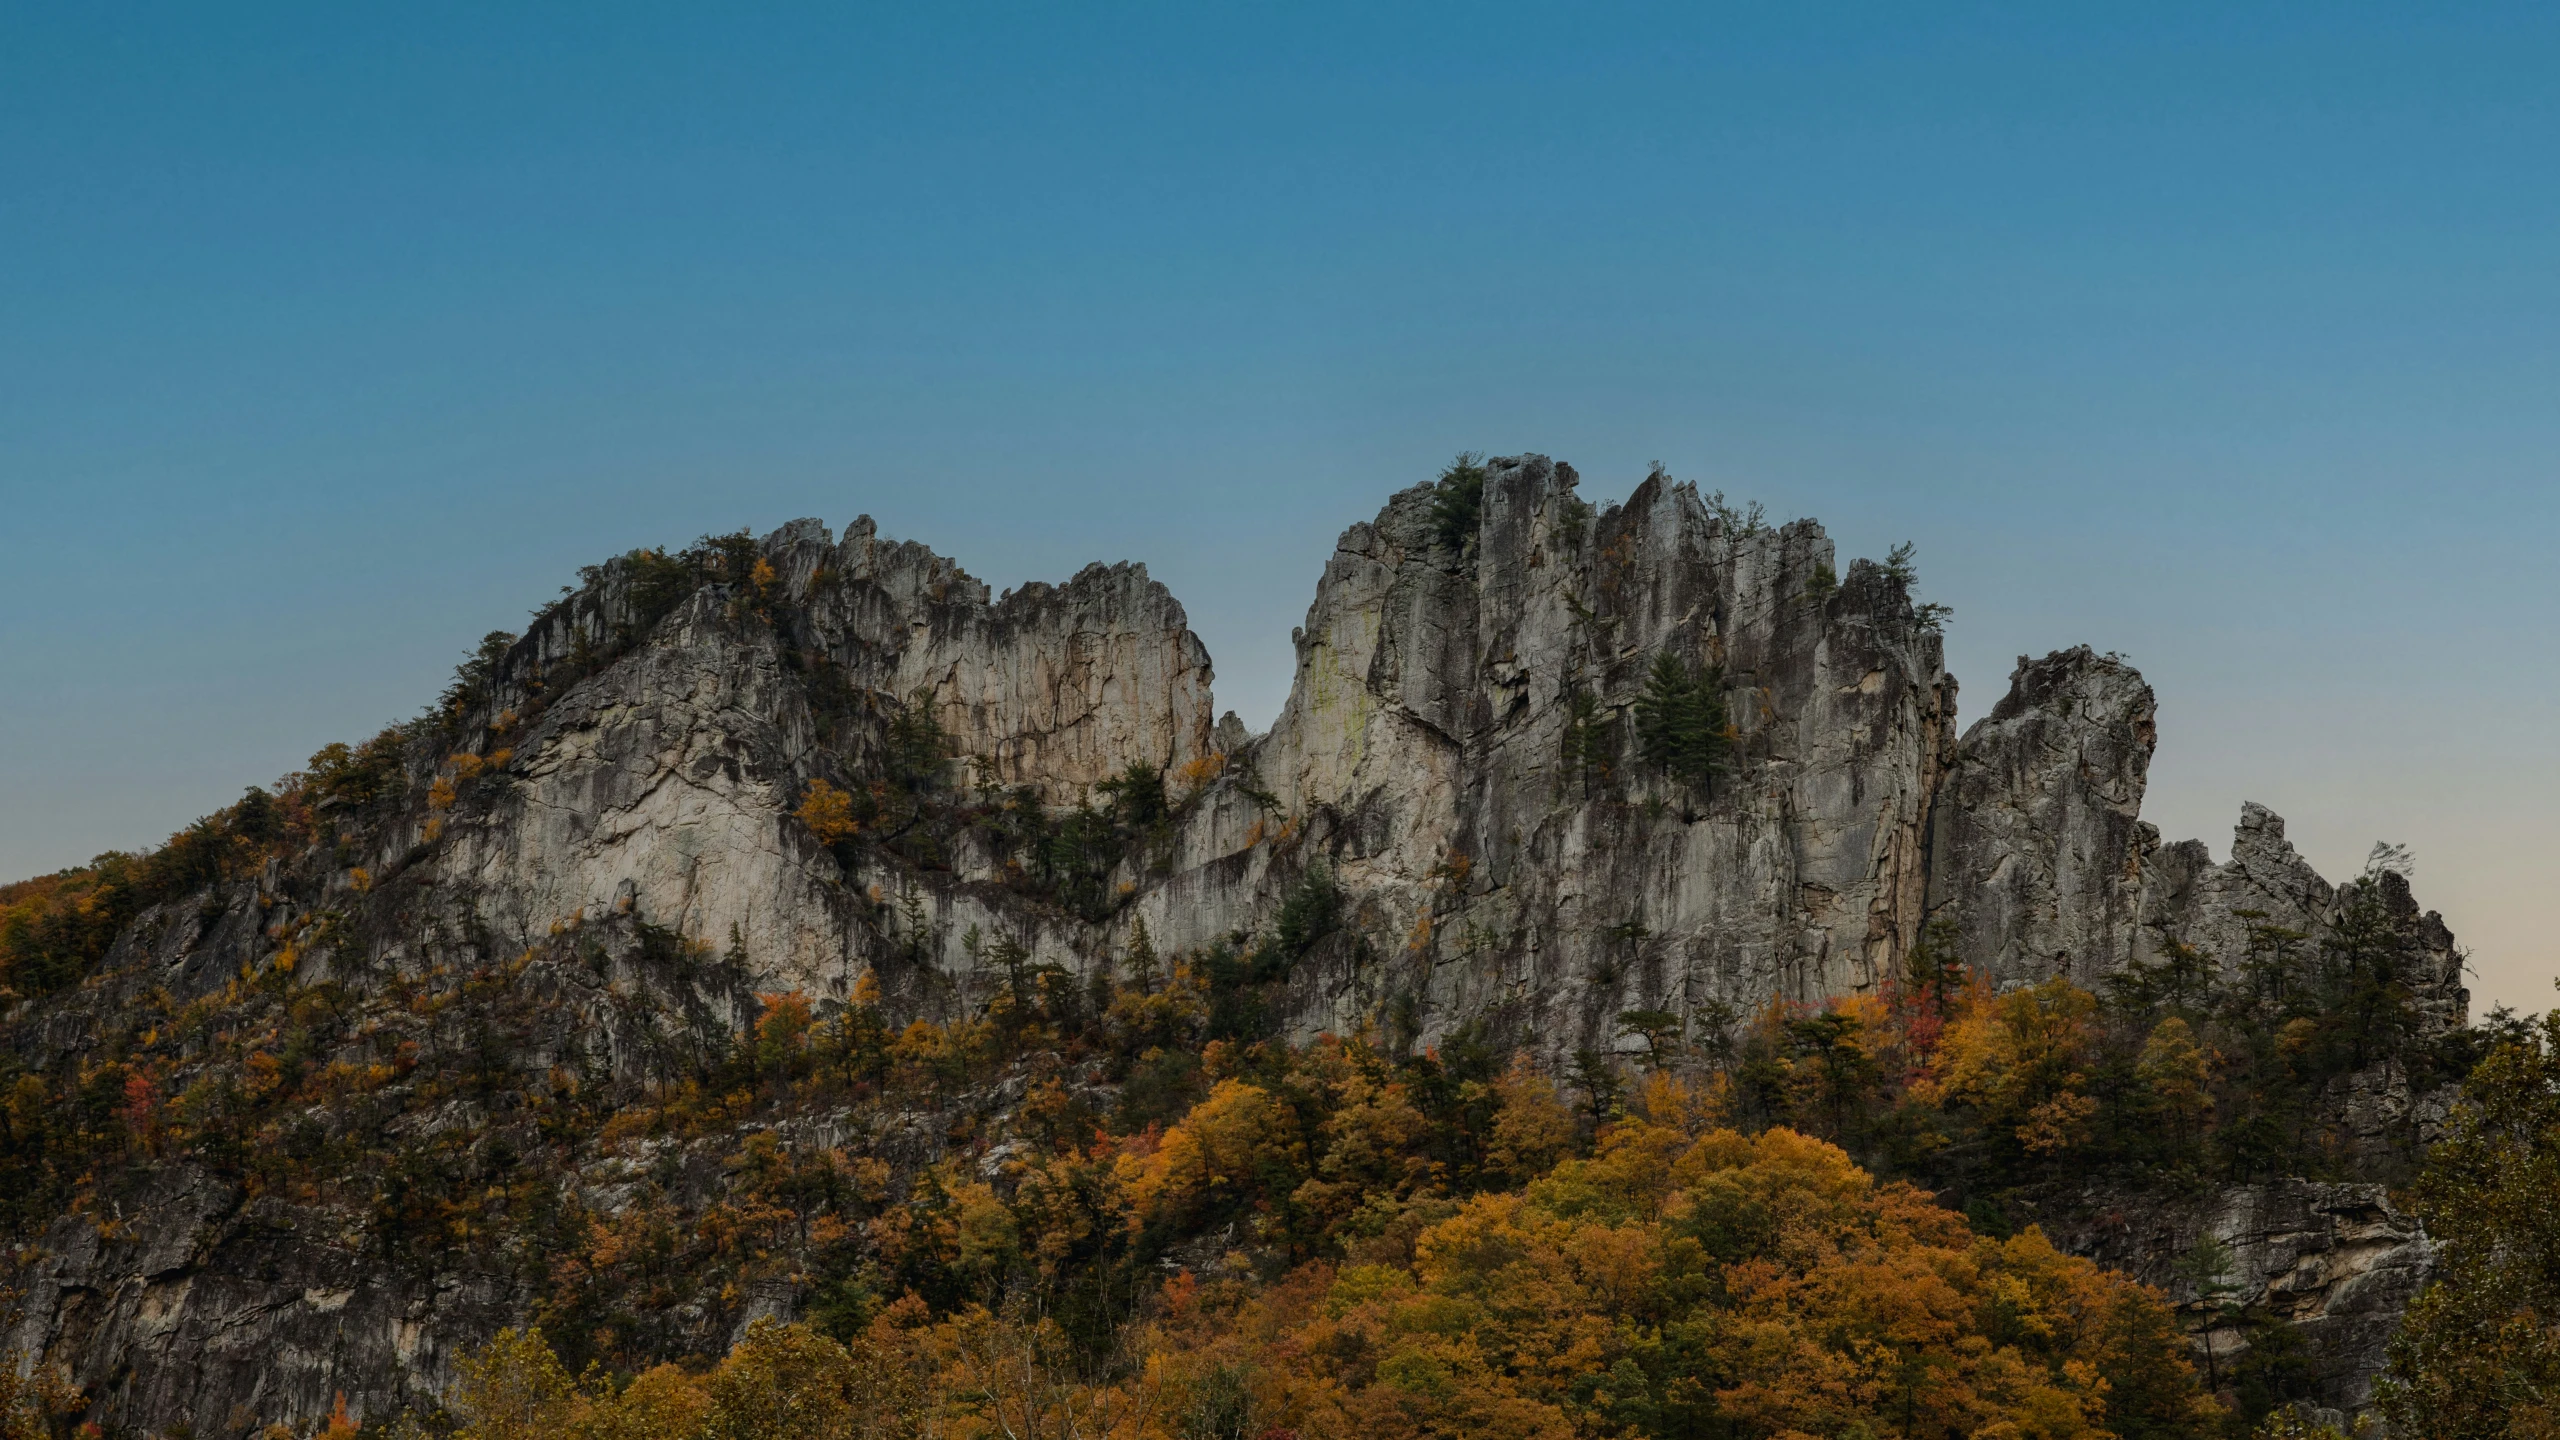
(664, 780)
(2338, 1263)
(1426, 739)
(2037, 850)
(1459, 749)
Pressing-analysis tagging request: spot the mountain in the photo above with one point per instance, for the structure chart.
(344, 1079)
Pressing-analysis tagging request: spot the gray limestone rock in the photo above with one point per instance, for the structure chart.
(2338, 1262)
(1425, 740)
(2037, 844)
(1459, 748)
(2267, 895)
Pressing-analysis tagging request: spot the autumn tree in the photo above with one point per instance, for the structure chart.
(661, 1403)
(37, 1400)
(1532, 1128)
(828, 812)
(788, 1382)
(513, 1388)
(2019, 1062)
(1671, 1286)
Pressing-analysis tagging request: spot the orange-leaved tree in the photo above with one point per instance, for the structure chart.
(1725, 1284)
(828, 812)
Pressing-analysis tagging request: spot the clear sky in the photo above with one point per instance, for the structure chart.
(2224, 336)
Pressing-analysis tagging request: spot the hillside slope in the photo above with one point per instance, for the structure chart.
(739, 937)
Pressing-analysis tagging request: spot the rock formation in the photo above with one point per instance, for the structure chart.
(1458, 747)
(2037, 849)
(2339, 1261)
(1425, 736)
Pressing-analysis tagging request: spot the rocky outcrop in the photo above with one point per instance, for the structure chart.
(2267, 897)
(1459, 749)
(2037, 847)
(1499, 873)
(1427, 733)
(1057, 687)
(661, 783)
(222, 1317)
(2334, 1264)
(664, 781)
(2039, 857)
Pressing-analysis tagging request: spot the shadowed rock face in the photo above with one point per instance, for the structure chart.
(2186, 898)
(1495, 873)
(2339, 1261)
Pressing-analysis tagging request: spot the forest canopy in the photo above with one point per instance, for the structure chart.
(1675, 1282)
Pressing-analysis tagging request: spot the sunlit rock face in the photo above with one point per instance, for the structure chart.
(2037, 849)
(664, 783)
(1053, 686)
(1459, 749)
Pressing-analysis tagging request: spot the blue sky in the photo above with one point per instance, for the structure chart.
(2223, 336)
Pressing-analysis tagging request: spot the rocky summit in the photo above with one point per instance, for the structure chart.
(307, 1111)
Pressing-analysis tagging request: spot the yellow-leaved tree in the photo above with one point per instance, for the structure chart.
(2021, 1059)
(828, 812)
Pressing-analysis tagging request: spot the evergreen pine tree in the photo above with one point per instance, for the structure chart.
(1141, 958)
(1680, 721)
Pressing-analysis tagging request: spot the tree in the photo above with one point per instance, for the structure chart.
(1458, 501)
(1680, 721)
(1141, 958)
(2363, 959)
(2177, 1072)
(256, 818)
(1602, 1087)
(1312, 911)
(1897, 568)
(1532, 1129)
(2207, 1267)
(788, 1382)
(1136, 796)
(1661, 1030)
(2018, 1061)
(1714, 1285)
(2478, 1355)
(1589, 746)
(660, 1403)
(33, 1403)
(472, 682)
(1014, 958)
(828, 812)
(513, 1389)
(1239, 1143)
(918, 746)
(1835, 1055)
